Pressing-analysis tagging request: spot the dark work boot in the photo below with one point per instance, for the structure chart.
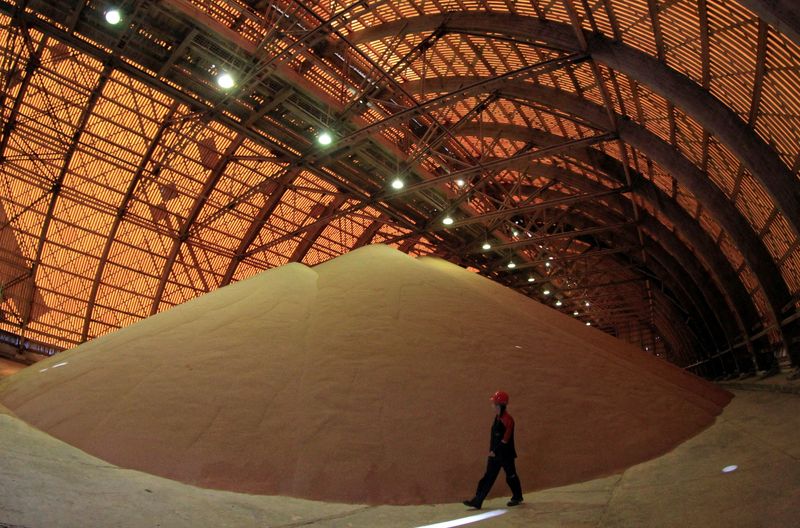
(472, 503)
(514, 501)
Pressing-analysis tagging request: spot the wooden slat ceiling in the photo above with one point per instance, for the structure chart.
(131, 182)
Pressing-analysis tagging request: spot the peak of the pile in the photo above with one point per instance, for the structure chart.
(364, 379)
(384, 258)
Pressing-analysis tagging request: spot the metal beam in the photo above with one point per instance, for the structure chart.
(433, 181)
(30, 69)
(280, 186)
(703, 249)
(613, 317)
(194, 213)
(783, 15)
(567, 275)
(683, 263)
(760, 158)
(205, 107)
(690, 298)
(676, 283)
(600, 285)
(311, 235)
(369, 233)
(536, 239)
(642, 187)
(580, 256)
(83, 120)
(497, 164)
(695, 235)
(696, 274)
(635, 274)
(141, 169)
(511, 211)
(482, 86)
(685, 172)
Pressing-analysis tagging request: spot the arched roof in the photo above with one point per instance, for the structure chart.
(640, 154)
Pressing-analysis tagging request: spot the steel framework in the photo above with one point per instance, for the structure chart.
(649, 165)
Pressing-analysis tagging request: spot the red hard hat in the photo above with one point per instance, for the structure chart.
(500, 398)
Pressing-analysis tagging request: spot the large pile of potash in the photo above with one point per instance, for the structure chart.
(364, 379)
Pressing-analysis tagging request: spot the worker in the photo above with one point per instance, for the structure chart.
(501, 455)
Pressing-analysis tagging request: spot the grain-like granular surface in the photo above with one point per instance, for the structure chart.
(365, 379)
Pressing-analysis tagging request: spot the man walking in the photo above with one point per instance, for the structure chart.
(501, 455)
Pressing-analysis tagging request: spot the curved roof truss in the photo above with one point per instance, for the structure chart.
(657, 153)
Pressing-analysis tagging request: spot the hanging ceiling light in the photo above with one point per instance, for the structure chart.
(559, 303)
(448, 220)
(113, 16)
(486, 246)
(398, 184)
(460, 182)
(575, 312)
(325, 139)
(225, 81)
(512, 265)
(546, 292)
(531, 279)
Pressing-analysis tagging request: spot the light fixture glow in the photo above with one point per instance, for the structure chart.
(515, 232)
(325, 139)
(512, 265)
(547, 264)
(531, 279)
(225, 80)
(558, 303)
(546, 292)
(465, 520)
(113, 17)
(575, 312)
(447, 221)
(550, 258)
(460, 182)
(729, 469)
(398, 184)
(588, 323)
(486, 246)
(587, 303)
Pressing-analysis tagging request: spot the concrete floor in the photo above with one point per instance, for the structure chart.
(45, 483)
(777, 383)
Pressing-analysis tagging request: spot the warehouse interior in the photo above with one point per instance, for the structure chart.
(218, 217)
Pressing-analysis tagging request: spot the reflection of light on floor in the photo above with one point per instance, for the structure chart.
(60, 364)
(728, 469)
(465, 520)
